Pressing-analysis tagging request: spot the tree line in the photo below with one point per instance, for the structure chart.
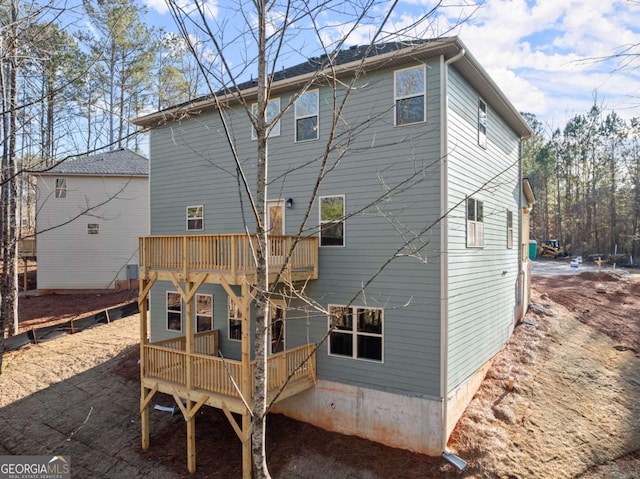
(586, 178)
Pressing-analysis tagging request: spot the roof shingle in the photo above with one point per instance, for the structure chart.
(121, 162)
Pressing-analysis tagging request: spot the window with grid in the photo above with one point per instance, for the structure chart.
(195, 218)
(357, 332)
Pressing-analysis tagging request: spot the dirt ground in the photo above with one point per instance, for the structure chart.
(573, 412)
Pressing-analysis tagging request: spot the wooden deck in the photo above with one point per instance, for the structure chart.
(227, 258)
(166, 363)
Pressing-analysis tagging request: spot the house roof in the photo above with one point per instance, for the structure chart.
(121, 162)
(349, 60)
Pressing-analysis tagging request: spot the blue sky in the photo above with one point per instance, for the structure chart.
(537, 51)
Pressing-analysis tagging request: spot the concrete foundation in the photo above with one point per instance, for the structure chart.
(395, 420)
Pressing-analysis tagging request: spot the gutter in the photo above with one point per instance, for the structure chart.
(444, 240)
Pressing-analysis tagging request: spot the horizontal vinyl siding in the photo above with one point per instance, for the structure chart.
(191, 165)
(481, 281)
(68, 257)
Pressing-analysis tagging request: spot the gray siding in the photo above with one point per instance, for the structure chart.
(191, 165)
(481, 281)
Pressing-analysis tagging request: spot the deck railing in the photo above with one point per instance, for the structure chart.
(232, 253)
(166, 361)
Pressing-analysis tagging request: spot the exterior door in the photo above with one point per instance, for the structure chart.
(276, 327)
(275, 217)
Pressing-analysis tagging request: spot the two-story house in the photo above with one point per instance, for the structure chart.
(406, 272)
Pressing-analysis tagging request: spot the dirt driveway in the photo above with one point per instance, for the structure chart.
(575, 405)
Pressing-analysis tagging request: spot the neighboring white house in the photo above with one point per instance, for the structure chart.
(90, 213)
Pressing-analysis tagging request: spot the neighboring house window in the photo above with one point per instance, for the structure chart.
(509, 229)
(93, 228)
(61, 187)
(410, 95)
(204, 312)
(273, 110)
(357, 332)
(307, 116)
(475, 223)
(482, 123)
(195, 218)
(332, 220)
(174, 311)
(235, 321)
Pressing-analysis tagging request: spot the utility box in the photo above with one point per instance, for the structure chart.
(132, 271)
(533, 249)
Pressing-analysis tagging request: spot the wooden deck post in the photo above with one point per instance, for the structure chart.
(246, 385)
(144, 413)
(191, 420)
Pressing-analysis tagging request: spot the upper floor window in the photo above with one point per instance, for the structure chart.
(509, 229)
(332, 220)
(482, 123)
(410, 98)
(93, 228)
(195, 218)
(174, 311)
(234, 316)
(307, 116)
(273, 110)
(61, 187)
(357, 332)
(204, 312)
(475, 223)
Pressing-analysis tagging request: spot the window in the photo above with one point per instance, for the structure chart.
(509, 229)
(332, 220)
(204, 312)
(410, 95)
(273, 110)
(235, 320)
(61, 187)
(307, 116)
(93, 228)
(475, 224)
(174, 311)
(357, 333)
(482, 123)
(195, 218)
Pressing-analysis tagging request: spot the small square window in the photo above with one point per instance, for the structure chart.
(93, 228)
(332, 221)
(195, 218)
(61, 187)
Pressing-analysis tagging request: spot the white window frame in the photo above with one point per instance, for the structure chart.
(173, 311)
(483, 123)
(275, 128)
(342, 220)
(509, 229)
(303, 117)
(354, 333)
(196, 314)
(396, 98)
(60, 188)
(93, 228)
(232, 307)
(475, 226)
(195, 218)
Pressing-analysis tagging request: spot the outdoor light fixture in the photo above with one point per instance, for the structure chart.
(289, 202)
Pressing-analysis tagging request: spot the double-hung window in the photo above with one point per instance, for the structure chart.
(509, 229)
(174, 311)
(61, 188)
(307, 116)
(357, 332)
(195, 218)
(482, 123)
(332, 220)
(273, 110)
(234, 316)
(475, 223)
(410, 98)
(204, 312)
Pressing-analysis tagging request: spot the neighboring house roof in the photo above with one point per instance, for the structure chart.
(349, 60)
(121, 162)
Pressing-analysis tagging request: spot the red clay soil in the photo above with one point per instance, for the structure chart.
(603, 301)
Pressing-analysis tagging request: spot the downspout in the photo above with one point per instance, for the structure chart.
(444, 239)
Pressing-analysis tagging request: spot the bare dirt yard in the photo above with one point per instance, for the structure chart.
(573, 411)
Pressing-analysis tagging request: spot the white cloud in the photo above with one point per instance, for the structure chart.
(210, 7)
